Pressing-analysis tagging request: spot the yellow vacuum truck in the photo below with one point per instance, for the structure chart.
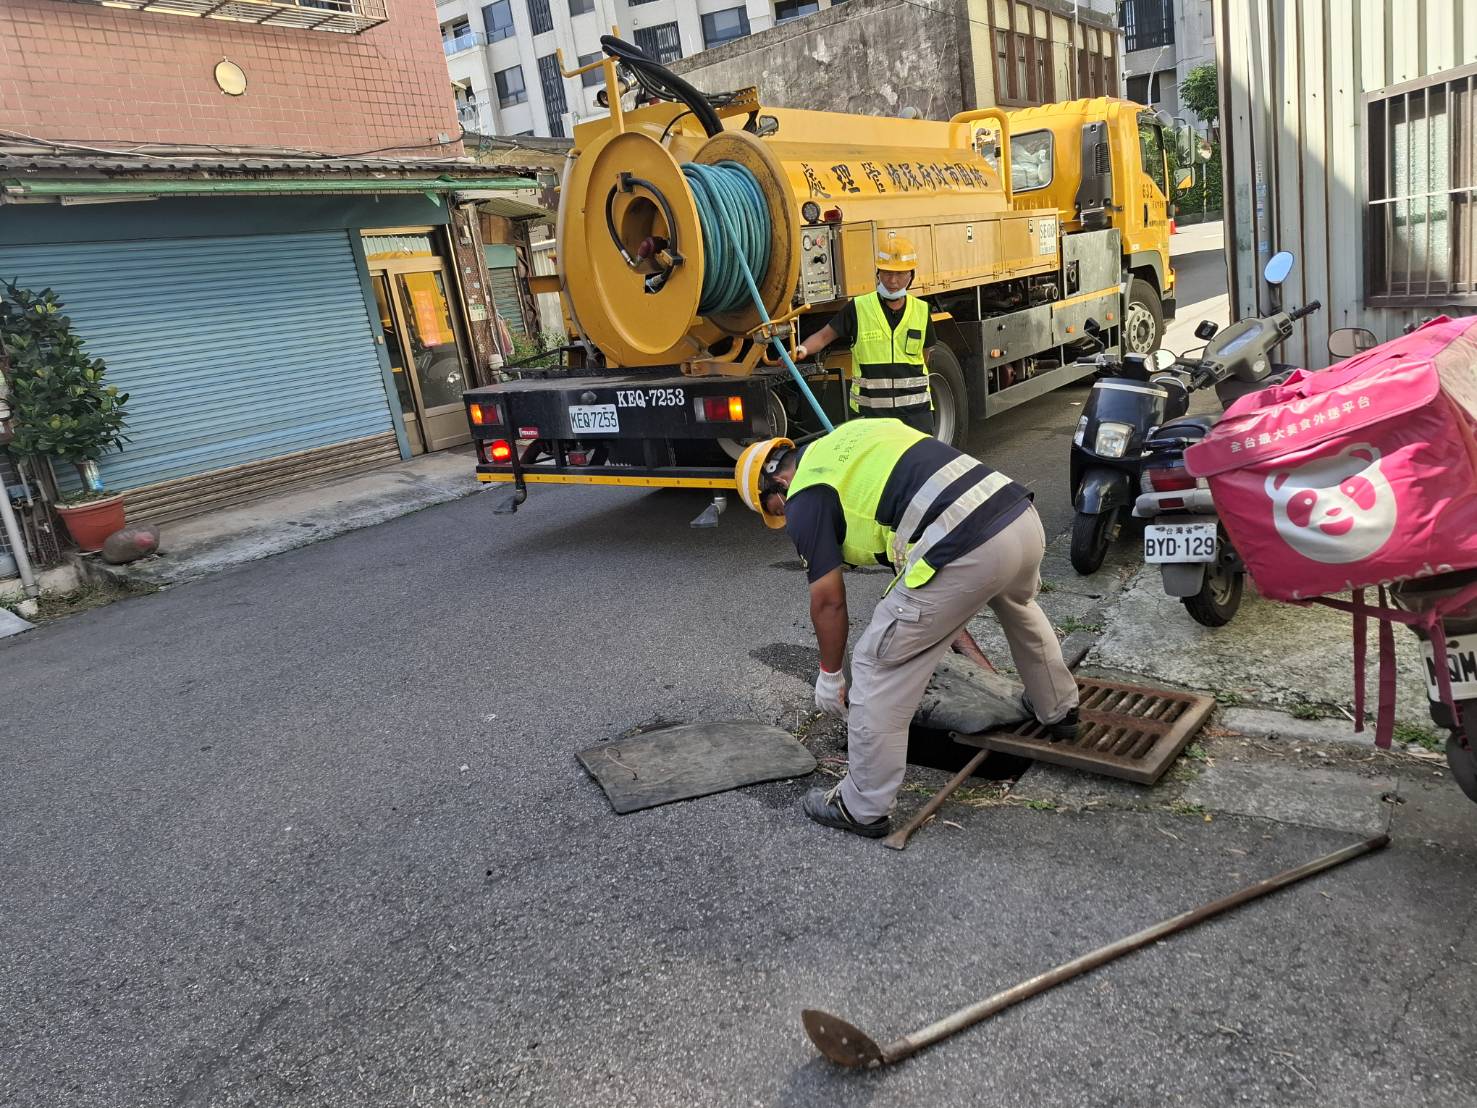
(701, 237)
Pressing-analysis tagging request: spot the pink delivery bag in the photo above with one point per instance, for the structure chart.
(1362, 474)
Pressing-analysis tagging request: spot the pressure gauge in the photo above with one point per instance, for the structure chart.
(810, 211)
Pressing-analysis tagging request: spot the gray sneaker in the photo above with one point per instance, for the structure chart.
(1063, 730)
(825, 806)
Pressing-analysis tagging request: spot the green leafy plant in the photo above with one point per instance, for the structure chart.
(1200, 92)
(1419, 735)
(63, 407)
(526, 346)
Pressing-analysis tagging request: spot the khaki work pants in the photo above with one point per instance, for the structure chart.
(910, 631)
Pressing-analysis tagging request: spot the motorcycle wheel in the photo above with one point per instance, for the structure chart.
(1090, 538)
(1219, 597)
(1463, 763)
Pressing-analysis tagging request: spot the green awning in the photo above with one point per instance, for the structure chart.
(140, 186)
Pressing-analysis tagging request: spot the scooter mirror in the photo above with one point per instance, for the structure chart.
(1161, 360)
(1279, 267)
(1348, 341)
(1206, 330)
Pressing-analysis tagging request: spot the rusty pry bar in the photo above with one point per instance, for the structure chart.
(898, 840)
(848, 1045)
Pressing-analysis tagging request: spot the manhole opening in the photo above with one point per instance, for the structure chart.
(934, 749)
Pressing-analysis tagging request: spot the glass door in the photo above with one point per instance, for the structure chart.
(440, 369)
(399, 361)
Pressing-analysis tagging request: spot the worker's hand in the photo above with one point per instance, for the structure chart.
(801, 353)
(830, 693)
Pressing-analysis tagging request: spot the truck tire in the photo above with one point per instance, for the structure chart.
(1143, 326)
(950, 399)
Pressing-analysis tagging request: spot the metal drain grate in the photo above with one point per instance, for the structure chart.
(1127, 731)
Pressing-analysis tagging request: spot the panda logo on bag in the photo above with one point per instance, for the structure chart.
(1335, 510)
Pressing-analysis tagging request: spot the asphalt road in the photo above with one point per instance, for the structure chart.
(312, 833)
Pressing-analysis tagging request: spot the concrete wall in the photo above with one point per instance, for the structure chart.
(868, 57)
(110, 76)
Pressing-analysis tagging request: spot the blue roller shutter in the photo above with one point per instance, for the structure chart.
(232, 350)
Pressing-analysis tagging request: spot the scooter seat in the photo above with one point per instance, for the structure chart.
(1186, 427)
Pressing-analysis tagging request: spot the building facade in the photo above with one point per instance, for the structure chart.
(503, 61)
(1163, 40)
(1334, 115)
(896, 57)
(261, 225)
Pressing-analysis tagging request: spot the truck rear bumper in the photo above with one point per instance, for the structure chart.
(630, 477)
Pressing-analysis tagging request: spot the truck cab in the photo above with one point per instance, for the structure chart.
(1101, 163)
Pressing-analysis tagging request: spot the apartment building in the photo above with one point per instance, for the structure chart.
(1162, 41)
(502, 55)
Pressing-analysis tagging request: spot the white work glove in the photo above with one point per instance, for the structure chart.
(830, 693)
(801, 353)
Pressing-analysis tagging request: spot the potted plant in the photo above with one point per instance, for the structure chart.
(62, 408)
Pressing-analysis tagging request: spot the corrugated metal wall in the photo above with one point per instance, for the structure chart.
(232, 350)
(550, 311)
(1293, 75)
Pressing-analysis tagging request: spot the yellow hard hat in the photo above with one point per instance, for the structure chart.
(896, 254)
(750, 472)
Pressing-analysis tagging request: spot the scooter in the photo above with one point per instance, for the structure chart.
(1107, 450)
(1184, 536)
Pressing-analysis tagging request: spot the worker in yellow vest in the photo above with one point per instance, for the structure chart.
(890, 334)
(959, 535)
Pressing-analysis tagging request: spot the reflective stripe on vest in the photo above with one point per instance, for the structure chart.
(887, 360)
(856, 461)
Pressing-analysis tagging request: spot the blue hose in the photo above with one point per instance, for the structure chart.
(736, 233)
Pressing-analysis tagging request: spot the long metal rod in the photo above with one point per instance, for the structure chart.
(898, 840)
(848, 1045)
(17, 543)
(966, 1017)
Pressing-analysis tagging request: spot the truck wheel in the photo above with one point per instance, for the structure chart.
(1461, 759)
(1143, 326)
(1090, 538)
(950, 400)
(1218, 598)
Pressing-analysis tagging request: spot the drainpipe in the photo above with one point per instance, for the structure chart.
(17, 545)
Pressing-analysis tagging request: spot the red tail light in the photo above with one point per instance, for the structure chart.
(720, 409)
(484, 415)
(1169, 479)
(499, 451)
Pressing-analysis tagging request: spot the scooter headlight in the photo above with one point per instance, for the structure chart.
(1081, 431)
(1112, 440)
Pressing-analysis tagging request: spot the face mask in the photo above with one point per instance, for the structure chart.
(887, 294)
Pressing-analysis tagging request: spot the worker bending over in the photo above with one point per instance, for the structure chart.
(960, 535)
(890, 334)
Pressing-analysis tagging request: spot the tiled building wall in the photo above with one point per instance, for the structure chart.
(101, 75)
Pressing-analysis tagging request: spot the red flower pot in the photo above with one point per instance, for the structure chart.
(90, 523)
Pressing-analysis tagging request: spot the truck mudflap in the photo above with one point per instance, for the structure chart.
(643, 430)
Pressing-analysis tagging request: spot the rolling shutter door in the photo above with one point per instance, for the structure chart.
(249, 361)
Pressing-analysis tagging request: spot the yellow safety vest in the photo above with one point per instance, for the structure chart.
(889, 371)
(856, 460)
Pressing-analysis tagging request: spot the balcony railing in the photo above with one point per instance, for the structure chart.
(465, 41)
(348, 17)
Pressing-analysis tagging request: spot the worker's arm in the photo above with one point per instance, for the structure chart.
(828, 614)
(817, 342)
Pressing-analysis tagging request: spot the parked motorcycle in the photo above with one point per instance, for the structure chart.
(1184, 536)
(1107, 450)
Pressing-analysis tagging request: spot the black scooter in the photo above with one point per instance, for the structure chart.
(1107, 450)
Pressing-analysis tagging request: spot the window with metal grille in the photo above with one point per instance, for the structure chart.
(724, 26)
(786, 10)
(552, 83)
(510, 87)
(539, 16)
(637, 3)
(662, 42)
(1147, 24)
(1421, 248)
(498, 20)
(595, 76)
(580, 7)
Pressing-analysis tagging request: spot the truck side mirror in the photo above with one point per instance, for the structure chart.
(1095, 193)
(1186, 180)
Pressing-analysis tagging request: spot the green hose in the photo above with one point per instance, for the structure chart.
(736, 234)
